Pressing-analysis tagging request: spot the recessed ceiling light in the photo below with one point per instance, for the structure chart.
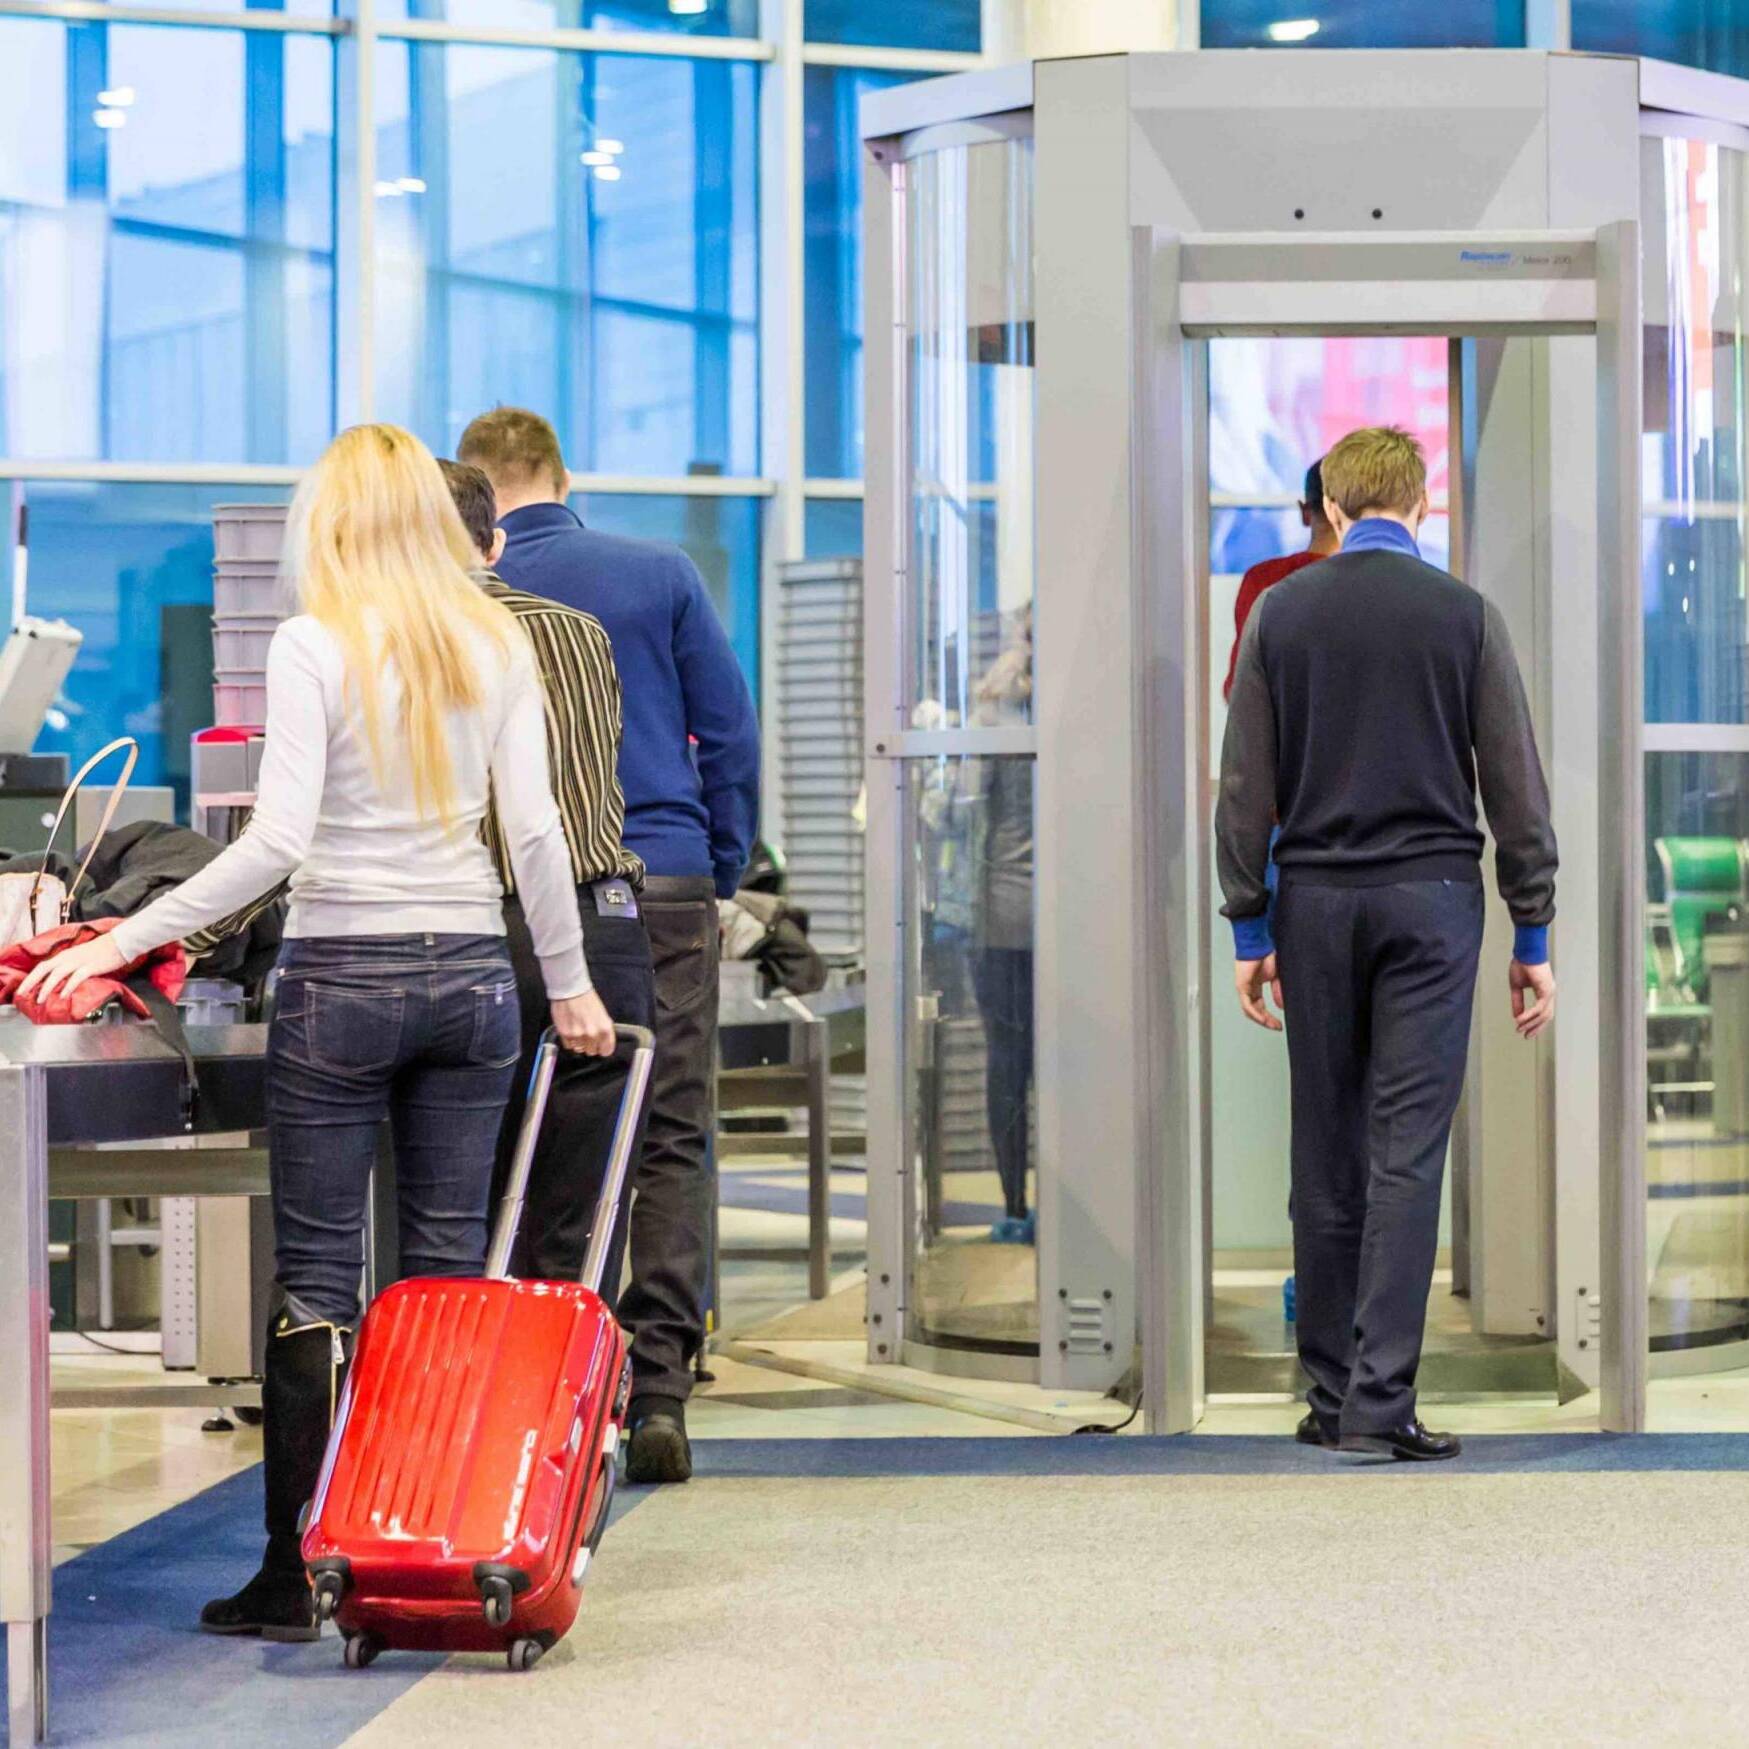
(410, 184)
(688, 8)
(119, 97)
(598, 157)
(110, 118)
(607, 173)
(1293, 30)
(613, 146)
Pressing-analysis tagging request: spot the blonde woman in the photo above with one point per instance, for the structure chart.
(397, 701)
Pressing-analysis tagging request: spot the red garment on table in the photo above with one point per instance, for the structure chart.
(1251, 587)
(166, 968)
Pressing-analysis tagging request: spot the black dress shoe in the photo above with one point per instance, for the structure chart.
(658, 1449)
(1312, 1431)
(1411, 1441)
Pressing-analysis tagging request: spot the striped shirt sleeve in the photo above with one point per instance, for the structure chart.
(583, 714)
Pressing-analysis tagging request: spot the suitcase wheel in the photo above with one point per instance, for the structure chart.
(330, 1589)
(497, 1600)
(331, 1580)
(362, 1650)
(524, 1654)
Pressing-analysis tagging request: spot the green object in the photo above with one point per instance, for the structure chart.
(1703, 877)
(1702, 865)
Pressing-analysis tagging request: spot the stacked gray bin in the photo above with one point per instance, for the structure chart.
(247, 607)
(819, 726)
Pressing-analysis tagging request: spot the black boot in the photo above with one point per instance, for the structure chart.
(299, 1393)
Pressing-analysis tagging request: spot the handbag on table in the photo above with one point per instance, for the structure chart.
(33, 904)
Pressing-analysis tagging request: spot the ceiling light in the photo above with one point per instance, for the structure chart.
(1293, 30)
(598, 157)
(386, 191)
(688, 8)
(612, 147)
(110, 118)
(118, 98)
(607, 173)
(410, 184)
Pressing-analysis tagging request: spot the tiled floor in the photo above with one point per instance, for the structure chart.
(115, 1468)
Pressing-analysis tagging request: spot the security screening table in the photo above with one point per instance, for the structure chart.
(779, 1050)
(63, 1091)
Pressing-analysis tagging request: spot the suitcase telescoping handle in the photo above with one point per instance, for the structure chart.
(619, 1159)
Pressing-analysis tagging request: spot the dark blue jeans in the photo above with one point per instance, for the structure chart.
(421, 1030)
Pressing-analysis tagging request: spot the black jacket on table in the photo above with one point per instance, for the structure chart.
(1374, 695)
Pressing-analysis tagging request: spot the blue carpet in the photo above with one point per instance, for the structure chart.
(127, 1665)
(1205, 1455)
(1729, 1187)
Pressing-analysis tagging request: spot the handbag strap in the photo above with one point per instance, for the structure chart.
(167, 1018)
(116, 793)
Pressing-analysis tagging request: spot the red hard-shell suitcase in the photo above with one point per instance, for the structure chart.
(469, 1473)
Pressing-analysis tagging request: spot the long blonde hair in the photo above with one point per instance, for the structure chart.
(378, 554)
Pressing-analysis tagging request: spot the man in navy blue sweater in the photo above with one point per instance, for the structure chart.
(1374, 697)
(689, 767)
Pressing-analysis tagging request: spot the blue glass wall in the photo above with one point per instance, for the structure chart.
(1698, 33)
(1364, 24)
(166, 257)
(907, 24)
(132, 568)
(832, 206)
(712, 17)
(832, 528)
(510, 270)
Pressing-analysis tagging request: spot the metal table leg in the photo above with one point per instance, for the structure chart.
(817, 1057)
(25, 1533)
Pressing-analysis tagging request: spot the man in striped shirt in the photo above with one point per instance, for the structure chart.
(575, 662)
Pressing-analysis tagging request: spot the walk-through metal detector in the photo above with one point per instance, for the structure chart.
(1496, 286)
(1491, 198)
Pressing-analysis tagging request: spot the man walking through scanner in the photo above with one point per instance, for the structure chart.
(1373, 696)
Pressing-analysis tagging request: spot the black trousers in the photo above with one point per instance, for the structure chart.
(571, 1158)
(1004, 983)
(1378, 984)
(673, 1217)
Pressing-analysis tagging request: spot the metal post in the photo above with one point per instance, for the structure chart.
(890, 1191)
(25, 1546)
(1171, 1012)
(816, 1054)
(105, 1264)
(355, 57)
(89, 1240)
(1099, 705)
(1621, 829)
(782, 348)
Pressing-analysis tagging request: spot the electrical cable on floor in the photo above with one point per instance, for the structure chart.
(106, 1347)
(1103, 1427)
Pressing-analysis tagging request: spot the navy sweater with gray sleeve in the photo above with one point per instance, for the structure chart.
(1374, 696)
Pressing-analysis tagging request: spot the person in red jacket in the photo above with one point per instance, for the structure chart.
(1271, 571)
